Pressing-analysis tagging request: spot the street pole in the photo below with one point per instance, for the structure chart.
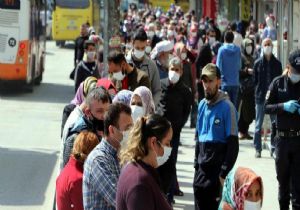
(111, 27)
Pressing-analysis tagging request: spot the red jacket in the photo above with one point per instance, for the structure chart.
(69, 186)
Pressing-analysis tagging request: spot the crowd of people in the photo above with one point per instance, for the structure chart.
(121, 132)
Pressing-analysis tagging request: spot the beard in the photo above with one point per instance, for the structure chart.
(210, 95)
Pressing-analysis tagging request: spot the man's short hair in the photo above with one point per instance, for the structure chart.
(229, 37)
(233, 26)
(98, 94)
(140, 35)
(115, 56)
(112, 116)
(88, 43)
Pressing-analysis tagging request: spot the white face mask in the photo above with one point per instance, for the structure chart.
(136, 112)
(295, 78)
(124, 139)
(91, 55)
(211, 40)
(173, 77)
(193, 34)
(157, 33)
(150, 34)
(249, 50)
(138, 53)
(183, 56)
(267, 50)
(249, 205)
(162, 159)
(118, 76)
(148, 49)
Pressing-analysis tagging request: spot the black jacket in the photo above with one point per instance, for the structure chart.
(79, 48)
(204, 57)
(263, 77)
(282, 90)
(176, 100)
(84, 70)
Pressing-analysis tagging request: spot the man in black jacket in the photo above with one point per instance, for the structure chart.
(79, 44)
(266, 69)
(283, 101)
(175, 105)
(87, 67)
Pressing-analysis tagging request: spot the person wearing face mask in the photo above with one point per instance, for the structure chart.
(152, 36)
(217, 144)
(266, 68)
(148, 147)
(126, 76)
(102, 168)
(88, 66)
(97, 103)
(270, 31)
(187, 58)
(137, 58)
(161, 54)
(141, 103)
(243, 190)
(246, 90)
(175, 105)
(283, 100)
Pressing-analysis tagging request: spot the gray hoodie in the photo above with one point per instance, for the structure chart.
(150, 68)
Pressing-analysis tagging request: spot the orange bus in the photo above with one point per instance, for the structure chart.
(22, 41)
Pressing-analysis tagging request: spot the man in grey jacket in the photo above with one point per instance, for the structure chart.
(137, 58)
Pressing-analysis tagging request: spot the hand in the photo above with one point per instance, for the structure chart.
(221, 181)
(291, 106)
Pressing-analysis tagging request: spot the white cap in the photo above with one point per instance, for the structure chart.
(163, 46)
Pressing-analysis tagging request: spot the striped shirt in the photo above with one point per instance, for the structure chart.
(101, 174)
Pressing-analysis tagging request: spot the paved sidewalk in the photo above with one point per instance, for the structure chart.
(265, 167)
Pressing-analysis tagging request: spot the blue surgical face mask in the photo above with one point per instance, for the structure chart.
(295, 78)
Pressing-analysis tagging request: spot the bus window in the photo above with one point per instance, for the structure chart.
(74, 4)
(10, 4)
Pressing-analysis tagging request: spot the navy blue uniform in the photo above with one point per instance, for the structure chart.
(287, 140)
(216, 149)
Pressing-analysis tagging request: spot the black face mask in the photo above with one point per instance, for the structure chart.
(98, 124)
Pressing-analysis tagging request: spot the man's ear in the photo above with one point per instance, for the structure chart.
(87, 112)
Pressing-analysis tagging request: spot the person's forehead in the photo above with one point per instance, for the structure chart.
(175, 67)
(139, 43)
(98, 104)
(125, 120)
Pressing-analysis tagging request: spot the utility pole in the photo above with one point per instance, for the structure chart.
(111, 24)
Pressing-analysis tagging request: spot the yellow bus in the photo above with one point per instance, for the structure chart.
(22, 41)
(69, 15)
(165, 4)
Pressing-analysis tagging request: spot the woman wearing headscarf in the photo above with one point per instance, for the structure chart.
(141, 102)
(123, 96)
(246, 93)
(243, 190)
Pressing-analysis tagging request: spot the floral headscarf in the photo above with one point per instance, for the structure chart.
(146, 96)
(123, 96)
(236, 186)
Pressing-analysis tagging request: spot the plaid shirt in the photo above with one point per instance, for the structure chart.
(101, 174)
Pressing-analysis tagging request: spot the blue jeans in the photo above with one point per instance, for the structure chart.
(232, 92)
(259, 119)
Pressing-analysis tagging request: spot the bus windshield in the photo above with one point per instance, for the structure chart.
(74, 4)
(10, 4)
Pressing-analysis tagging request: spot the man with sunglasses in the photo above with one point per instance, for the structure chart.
(266, 68)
